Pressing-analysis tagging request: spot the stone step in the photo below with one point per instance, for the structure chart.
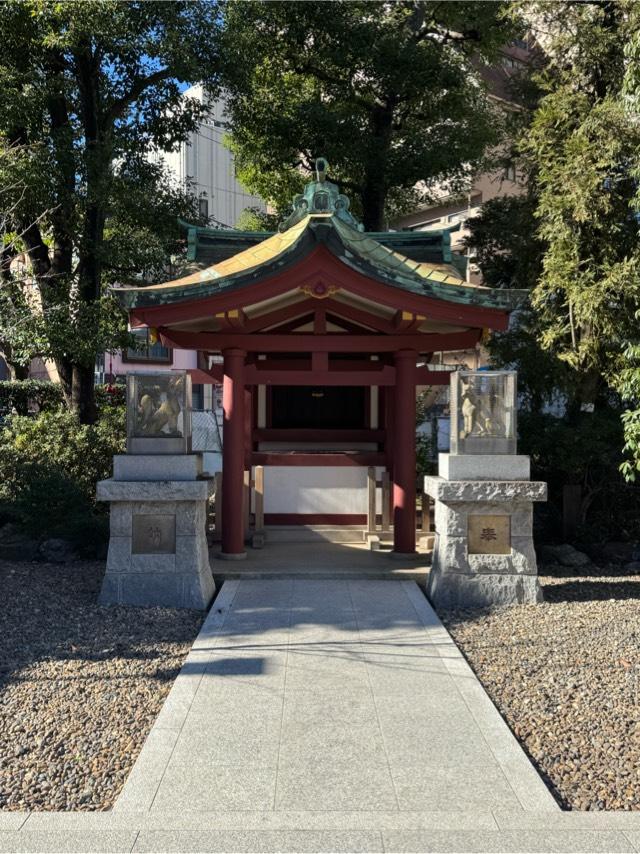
(315, 533)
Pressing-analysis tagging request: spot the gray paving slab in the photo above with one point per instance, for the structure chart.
(201, 785)
(488, 842)
(458, 786)
(12, 820)
(335, 785)
(626, 820)
(94, 841)
(294, 841)
(514, 841)
(74, 822)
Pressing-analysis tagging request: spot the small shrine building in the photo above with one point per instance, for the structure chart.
(322, 333)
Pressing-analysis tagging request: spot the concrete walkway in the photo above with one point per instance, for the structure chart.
(326, 715)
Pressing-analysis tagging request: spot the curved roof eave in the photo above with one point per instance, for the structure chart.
(357, 250)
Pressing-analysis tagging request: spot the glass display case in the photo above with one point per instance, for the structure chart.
(483, 412)
(159, 413)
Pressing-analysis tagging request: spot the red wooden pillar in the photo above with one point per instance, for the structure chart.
(404, 454)
(233, 440)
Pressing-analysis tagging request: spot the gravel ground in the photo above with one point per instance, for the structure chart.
(566, 677)
(80, 685)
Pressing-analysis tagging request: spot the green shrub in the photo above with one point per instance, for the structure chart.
(49, 466)
(110, 394)
(19, 394)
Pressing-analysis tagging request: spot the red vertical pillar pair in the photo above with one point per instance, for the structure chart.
(404, 453)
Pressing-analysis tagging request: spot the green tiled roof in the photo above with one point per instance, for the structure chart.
(358, 250)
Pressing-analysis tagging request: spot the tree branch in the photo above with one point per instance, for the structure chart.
(136, 89)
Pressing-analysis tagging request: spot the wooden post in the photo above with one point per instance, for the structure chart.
(404, 457)
(424, 513)
(259, 498)
(386, 501)
(233, 404)
(247, 501)
(371, 511)
(218, 506)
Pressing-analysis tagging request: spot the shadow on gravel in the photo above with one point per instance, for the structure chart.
(50, 615)
(579, 590)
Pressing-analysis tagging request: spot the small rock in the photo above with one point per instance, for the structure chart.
(55, 550)
(565, 554)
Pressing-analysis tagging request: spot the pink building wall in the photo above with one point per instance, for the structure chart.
(182, 359)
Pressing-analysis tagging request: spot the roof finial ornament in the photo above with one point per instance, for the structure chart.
(321, 196)
(322, 167)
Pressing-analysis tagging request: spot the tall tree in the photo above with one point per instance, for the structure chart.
(584, 144)
(88, 89)
(390, 93)
(572, 239)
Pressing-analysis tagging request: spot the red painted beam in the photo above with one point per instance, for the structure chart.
(301, 458)
(341, 375)
(336, 343)
(304, 364)
(283, 434)
(426, 377)
(386, 376)
(198, 375)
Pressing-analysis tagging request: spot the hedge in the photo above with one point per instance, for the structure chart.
(18, 394)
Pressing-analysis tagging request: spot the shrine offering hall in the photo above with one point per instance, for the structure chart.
(319, 335)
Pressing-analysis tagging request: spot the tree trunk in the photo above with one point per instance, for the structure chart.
(83, 400)
(374, 192)
(373, 199)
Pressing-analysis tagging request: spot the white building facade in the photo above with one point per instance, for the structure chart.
(204, 164)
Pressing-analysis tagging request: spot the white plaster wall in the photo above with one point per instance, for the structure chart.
(315, 489)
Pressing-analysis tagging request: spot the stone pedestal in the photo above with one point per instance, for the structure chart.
(484, 553)
(158, 553)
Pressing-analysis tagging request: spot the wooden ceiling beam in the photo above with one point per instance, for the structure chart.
(309, 343)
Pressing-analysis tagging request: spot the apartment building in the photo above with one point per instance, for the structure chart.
(205, 166)
(452, 212)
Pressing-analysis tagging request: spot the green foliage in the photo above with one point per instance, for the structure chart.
(572, 241)
(109, 395)
(89, 90)
(390, 93)
(507, 248)
(585, 452)
(425, 457)
(20, 394)
(49, 466)
(254, 219)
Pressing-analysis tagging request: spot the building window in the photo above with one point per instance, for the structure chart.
(197, 397)
(145, 351)
(510, 172)
(203, 207)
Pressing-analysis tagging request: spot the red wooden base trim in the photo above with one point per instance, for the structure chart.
(302, 458)
(293, 434)
(315, 518)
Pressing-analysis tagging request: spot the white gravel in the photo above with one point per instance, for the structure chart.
(566, 677)
(80, 685)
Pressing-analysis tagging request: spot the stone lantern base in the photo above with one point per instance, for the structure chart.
(158, 553)
(484, 553)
